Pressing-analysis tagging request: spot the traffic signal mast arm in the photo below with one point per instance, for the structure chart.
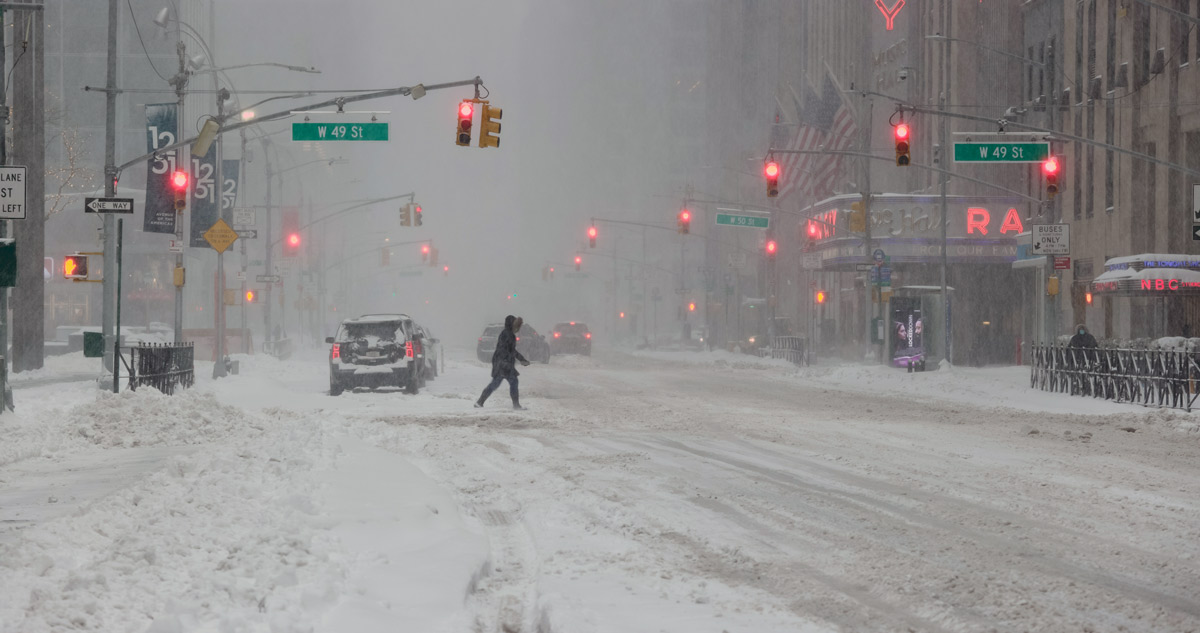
(892, 160)
(375, 250)
(410, 195)
(1054, 134)
(338, 101)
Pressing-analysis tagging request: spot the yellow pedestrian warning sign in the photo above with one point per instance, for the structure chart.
(220, 236)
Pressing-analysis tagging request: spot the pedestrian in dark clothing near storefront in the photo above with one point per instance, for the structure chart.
(504, 361)
(1083, 338)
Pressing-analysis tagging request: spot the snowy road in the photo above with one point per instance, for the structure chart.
(658, 493)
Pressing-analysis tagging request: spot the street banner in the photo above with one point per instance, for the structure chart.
(204, 194)
(159, 215)
(231, 172)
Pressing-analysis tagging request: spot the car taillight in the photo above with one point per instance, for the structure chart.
(337, 351)
(408, 350)
(556, 335)
(588, 335)
(481, 339)
(418, 348)
(518, 339)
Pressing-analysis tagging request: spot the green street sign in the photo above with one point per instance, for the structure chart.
(748, 221)
(339, 131)
(1001, 152)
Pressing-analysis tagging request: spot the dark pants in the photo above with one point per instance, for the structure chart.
(512, 388)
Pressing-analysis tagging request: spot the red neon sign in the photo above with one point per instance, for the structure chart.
(1167, 284)
(890, 13)
(978, 219)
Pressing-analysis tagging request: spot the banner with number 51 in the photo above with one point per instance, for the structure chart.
(160, 197)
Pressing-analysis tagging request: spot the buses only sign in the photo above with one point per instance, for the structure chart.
(1051, 239)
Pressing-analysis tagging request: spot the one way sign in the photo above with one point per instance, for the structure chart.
(108, 205)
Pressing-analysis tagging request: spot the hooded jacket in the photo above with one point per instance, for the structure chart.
(504, 359)
(1084, 339)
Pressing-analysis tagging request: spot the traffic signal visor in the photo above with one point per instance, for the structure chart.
(902, 144)
(466, 110)
(489, 126)
(1050, 169)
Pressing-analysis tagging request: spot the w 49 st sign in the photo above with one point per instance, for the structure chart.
(1033, 152)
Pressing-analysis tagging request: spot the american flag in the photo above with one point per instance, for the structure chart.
(826, 122)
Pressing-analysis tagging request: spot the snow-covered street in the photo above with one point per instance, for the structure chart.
(641, 492)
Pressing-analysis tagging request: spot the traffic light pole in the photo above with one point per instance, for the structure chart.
(108, 230)
(183, 159)
(218, 192)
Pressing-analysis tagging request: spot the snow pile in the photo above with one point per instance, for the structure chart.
(149, 418)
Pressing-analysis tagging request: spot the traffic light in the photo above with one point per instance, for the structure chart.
(289, 221)
(819, 297)
(902, 139)
(466, 110)
(813, 231)
(622, 315)
(425, 248)
(446, 270)
(771, 249)
(417, 216)
(1088, 297)
(578, 263)
(592, 236)
(251, 296)
(685, 222)
(771, 171)
(75, 266)
(406, 215)
(179, 184)
(1050, 169)
(489, 126)
(692, 307)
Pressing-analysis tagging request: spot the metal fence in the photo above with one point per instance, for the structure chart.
(1152, 378)
(793, 349)
(163, 367)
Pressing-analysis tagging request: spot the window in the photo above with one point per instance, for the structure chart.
(1183, 32)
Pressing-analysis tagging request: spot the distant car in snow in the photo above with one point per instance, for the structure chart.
(533, 346)
(571, 338)
(377, 350)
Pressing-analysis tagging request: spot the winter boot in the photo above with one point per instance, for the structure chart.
(482, 398)
(517, 406)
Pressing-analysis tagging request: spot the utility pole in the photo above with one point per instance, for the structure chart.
(245, 274)
(943, 152)
(29, 145)
(219, 193)
(3, 223)
(269, 333)
(183, 159)
(108, 305)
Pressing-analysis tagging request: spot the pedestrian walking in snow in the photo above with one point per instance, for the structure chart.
(504, 361)
(1083, 338)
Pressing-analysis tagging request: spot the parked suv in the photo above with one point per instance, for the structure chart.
(571, 338)
(376, 350)
(533, 346)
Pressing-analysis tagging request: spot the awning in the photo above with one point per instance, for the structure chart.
(1150, 275)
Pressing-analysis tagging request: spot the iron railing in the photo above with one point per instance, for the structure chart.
(163, 367)
(1151, 378)
(793, 349)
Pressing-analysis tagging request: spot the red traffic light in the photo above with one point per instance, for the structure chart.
(771, 247)
(622, 315)
(578, 260)
(685, 215)
(1050, 167)
(465, 110)
(424, 249)
(293, 240)
(814, 231)
(771, 169)
(902, 132)
(592, 232)
(75, 267)
(179, 179)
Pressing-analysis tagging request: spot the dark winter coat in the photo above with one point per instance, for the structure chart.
(506, 356)
(1085, 340)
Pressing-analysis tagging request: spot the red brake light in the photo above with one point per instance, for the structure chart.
(337, 350)
(556, 335)
(588, 335)
(408, 350)
(518, 339)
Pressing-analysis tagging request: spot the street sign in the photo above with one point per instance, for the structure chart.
(267, 279)
(12, 192)
(220, 236)
(108, 205)
(339, 131)
(175, 246)
(241, 275)
(247, 234)
(1062, 263)
(1034, 152)
(244, 217)
(747, 221)
(1051, 239)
